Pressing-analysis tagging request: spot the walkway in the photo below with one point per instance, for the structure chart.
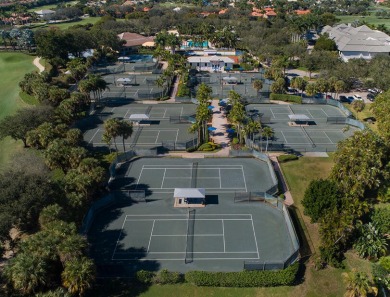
(37, 63)
(220, 136)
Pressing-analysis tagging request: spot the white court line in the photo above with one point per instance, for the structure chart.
(243, 175)
(162, 182)
(185, 215)
(117, 241)
(181, 112)
(158, 134)
(151, 91)
(254, 234)
(181, 259)
(128, 110)
(139, 177)
(200, 166)
(220, 181)
(112, 110)
(186, 177)
(148, 220)
(310, 113)
(223, 233)
(328, 137)
(93, 136)
(272, 113)
(162, 253)
(177, 134)
(183, 235)
(150, 238)
(165, 112)
(205, 188)
(285, 140)
(325, 113)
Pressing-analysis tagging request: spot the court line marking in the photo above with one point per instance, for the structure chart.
(285, 140)
(162, 182)
(272, 113)
(328, 137)
(158, 134)
(223, 232)
(144, 220)
(254, 234)
(324, 112)
(93, 136)
(205, 188)
(183, 235)
(181, 259)
(189, 168)
(310, 113)
(177, 135)
(165, 112)
(139, 177)
(243, 175)
(117, 241)
(150, 238)
(220, 180)
(170, 253)
(185, 215)
(186, 177)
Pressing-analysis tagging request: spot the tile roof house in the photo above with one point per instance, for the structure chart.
(360, 42)
(132, 40)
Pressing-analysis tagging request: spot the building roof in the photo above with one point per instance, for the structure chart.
(189, 193)
(134, 39)
(138, 117)
(208, 59)
(298, 117)
(302, 12)
(360, 39)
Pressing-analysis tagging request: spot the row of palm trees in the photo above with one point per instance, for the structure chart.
(114, 128)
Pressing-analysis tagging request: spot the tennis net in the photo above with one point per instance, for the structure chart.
(190, 237)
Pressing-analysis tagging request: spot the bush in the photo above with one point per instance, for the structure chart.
(286, 98)
(287, 158)
(205, 147)
(244, 278)
(192, 149)
(165, 277)
(145, 277)
(235, 140)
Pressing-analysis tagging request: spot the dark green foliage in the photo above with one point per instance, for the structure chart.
(325, 44)
(192, 149)
(235, 140)
(209, 146)
(286, 98)
(320, 196)
(381, 218)
(243, 279)
(287, 158)
(165, 277)
(145, 277)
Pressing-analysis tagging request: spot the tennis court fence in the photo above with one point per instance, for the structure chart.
(258, 197)
(182, 119)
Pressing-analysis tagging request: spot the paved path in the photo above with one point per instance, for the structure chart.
(220, 136)
(37, 63)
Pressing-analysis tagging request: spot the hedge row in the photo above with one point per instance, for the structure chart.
(286, 98)
(286, 158)
(163, 277)
(244, 278)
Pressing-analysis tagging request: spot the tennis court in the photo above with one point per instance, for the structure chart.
(221, 236)
(159, 128)
(324, 128)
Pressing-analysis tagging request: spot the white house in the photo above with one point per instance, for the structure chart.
(360, 42)
(210, 63)
(45, 13)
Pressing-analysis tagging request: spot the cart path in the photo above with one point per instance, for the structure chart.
(37, 63)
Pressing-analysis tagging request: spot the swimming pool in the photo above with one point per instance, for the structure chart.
(141, 58)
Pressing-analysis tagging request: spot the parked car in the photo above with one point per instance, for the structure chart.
(329, 97)
(371, 97)
(357, 97)
(350, 99)
(343, 98)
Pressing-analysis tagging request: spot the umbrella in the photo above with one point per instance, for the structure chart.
(230, 131)
(211, 128)
(210, 107)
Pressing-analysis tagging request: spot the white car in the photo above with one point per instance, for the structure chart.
(357, 97)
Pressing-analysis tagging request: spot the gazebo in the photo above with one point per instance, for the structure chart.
(298, 119)
(138, 117)
(189, 197)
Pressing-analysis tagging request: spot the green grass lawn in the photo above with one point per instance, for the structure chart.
(63, 26)
(13, 66)
(370, 19)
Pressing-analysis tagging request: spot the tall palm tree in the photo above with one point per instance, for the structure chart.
(299, 83)
(268, 132)
(111, 130)
(358, 284)
(257, 85)
(78, 275)
(125, 130)
(195, 127)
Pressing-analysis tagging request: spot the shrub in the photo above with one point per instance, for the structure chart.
(145, 277)
(287, 158)
(205, 147)
(244, 278)
(286, 98)
(235, 140)
(192, 149)
(166, 277)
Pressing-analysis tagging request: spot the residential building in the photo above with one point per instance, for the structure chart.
(361, 42)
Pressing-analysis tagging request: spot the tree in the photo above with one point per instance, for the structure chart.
(320, 196)
(279, 86)
(360, 163)
(257, 85)
(298, 83)
(380, 217)
(267, 132)
(26, 273)
(78, 275)
(325, 44)
(358, 106)
(358, 284)
(371, 243)
(111, 131)
(381, 110)
(339, 87)
(125, 130)
(17, 125)
(311, 90)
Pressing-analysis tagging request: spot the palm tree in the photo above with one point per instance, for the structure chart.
(358, 284)
(339, 87)
(299, 83)
(125, 130)
(78, 275)
(195, 127)
(111, 130)
(268, 132)
(257, 85)
(26, 273)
